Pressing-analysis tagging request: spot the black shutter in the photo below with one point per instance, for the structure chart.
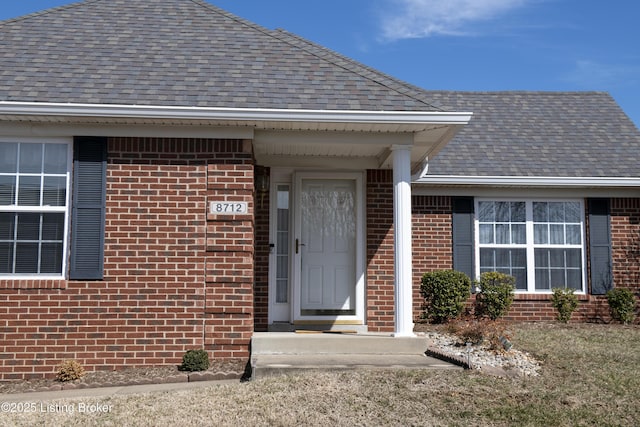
(600, 246)
(462, 231)
(88, 208)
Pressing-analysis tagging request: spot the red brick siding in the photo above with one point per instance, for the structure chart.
(625, 236)
(261, 287)
(432, 244)
(165, 261)
(229, 272)
(380, 251)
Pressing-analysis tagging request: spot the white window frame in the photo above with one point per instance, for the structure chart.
(66, 209)
(530, 244)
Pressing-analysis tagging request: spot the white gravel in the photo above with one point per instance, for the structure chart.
(480, 357)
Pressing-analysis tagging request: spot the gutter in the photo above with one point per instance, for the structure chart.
(232, 114)
(528, 181)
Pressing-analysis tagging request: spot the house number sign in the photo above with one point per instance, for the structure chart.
(228, 208)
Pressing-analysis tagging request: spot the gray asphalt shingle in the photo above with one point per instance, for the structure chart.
(554, 134)
(181, 53)
(190, 53)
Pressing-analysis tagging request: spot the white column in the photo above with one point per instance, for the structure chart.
(402, 240)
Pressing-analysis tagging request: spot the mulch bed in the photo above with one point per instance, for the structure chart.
(219, 370)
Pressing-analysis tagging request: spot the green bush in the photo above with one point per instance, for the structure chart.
(496, 294)
(195, 360)
(565, 302)
(445, 293)
(622, 304)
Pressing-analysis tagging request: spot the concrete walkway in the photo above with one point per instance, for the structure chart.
(109, 391)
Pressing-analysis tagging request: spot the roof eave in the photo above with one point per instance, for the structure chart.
(397, 121)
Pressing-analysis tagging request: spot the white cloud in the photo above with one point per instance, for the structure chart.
(423, 18)
(597, 75)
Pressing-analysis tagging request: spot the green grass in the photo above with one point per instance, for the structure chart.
(589, 378)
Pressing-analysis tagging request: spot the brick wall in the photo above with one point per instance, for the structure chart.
(625, 236)
(230, 256)
(175, 279)
(432, 248)
(380, 267)
(261, 288)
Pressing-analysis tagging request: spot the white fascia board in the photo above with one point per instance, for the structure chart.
(235, 114)
(528, 181)
(47, 129)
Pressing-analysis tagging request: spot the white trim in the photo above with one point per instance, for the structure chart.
(153, 130)
(239, 114)
(531, 192)
(542, 181)
(318, 162)
(278, 312)
(36, 139)
(44, 209)
(403, 260)
(529, 244)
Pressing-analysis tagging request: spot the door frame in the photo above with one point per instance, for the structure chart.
(360, 281)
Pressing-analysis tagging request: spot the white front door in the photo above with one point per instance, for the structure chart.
(328, 248)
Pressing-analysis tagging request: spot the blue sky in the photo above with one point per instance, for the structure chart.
(481, 45)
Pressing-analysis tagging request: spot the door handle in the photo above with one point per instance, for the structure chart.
(298, 244)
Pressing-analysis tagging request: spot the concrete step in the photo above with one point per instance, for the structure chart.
(265, 365)
(275, 353)
(335, 343)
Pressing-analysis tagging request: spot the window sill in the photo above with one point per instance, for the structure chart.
(544, 296)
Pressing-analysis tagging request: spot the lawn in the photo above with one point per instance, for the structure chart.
(589, 377)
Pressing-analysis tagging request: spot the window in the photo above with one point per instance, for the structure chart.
(34, 182)
(540, 243)
(282, 245)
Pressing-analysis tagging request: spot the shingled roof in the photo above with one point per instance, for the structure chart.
(543, 134)
(193, 54)
(182, 53)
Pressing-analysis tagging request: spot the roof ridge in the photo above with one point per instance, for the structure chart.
(202, 3)
(411, 91)
(212, 7)
(46, 11)
(369, 70)
(365, 71)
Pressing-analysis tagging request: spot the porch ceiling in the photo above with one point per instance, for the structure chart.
(369, 148)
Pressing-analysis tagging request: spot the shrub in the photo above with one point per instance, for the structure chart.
(445, 293)
(496, 294)
(565, 302)
(480, 331)
(195, 360)
(622, 303)
(70, 370)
